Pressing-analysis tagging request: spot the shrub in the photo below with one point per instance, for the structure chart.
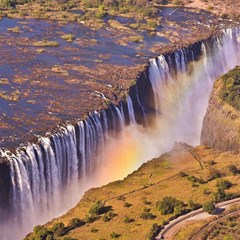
(100, 13)
(192, 179)
(167, 205)
(146, 202)
(49, 237)
(121, 198)
(108, 216)
(75, 223)
(147, 216)
(179, 210)
(192, 205)
(155, 229)
(233, 169)
(61, 231)
(177, 2)
(219, 195)
(7, 3)
(211, 163)
(68, 37)
(126, 204)
(128, 220)
(223, 184)
(214, 173)
(229, 237)
(90, 219)
(114, 235)
(56, 226)
(151, 23)
(94, 230)
(41, 232)
(97, 208)
(46, 44)
(146, 209)
(209, 207)
(14, 29)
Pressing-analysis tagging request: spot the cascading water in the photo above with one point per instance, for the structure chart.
(49, 177)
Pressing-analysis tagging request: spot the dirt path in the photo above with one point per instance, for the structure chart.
(175, 225)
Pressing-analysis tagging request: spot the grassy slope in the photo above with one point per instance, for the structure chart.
(155, 179)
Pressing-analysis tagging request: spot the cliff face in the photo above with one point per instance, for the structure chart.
(4, 189)
(221, 124)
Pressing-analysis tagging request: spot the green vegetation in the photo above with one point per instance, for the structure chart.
(75, 223)
(92, 9)
(193, 205)
(108, 216)
(155, 229)
(14, 29)
(97, 208)
(233, 169)
(94, 230)
(209, 207)
(41, 233)
(223, 184)
(147, 216)
(12, 3)
(68, 37)
(231, 88)
(168, 204)
(128, 220)
(127, 205)
(136, 38)
(114, 235)
(46, 44)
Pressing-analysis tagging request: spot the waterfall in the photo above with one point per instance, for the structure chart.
(45, 174)
(131, 110)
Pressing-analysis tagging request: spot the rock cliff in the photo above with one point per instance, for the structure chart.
(221, 124)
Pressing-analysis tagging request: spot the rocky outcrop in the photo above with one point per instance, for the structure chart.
(221, 124)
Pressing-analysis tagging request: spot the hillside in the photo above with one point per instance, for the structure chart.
(221, 125)
(131, 207)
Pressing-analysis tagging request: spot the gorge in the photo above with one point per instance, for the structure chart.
(168, 102)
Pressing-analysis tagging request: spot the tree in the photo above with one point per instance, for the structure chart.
(219, 195)
(76, 223)
(97, 208)
(192, 205)
(209, 207)
(41, 233)
(155, 229)
(167, 205)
